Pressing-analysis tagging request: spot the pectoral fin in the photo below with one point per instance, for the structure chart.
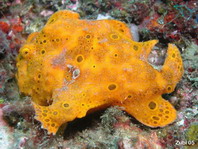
(153, 112)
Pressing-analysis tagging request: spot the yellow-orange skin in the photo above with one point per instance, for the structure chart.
(72, 67)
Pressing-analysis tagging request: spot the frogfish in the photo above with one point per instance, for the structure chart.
(73, 67)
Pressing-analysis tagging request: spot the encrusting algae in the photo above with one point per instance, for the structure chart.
(73, 67)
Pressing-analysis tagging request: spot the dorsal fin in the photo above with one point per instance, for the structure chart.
(63, 14)
(142, 49)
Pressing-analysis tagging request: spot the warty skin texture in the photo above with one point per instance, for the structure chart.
(73, 67)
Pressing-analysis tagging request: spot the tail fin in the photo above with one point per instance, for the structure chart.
(172, 69)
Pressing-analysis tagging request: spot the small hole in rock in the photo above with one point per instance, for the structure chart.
(169, 88)
(173, 55)
(43, 52)
(135, 47)
(79, 59)
(155, 118)
(152, 105)
(45, 111)
(66, 105)
(88, 36)
(44, 114)
(52, 21)
(155, 122)
(112, 87)
(121, 30)
(47, 120)
(114, 36)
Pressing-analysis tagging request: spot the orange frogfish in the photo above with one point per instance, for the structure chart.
(73, 67)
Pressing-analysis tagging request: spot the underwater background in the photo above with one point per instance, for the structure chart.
(169, 21)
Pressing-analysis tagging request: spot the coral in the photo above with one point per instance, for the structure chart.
(114, 131)
(6, 68)
(166, 24)
(191, 133)
(5, 131)
(65, 69)
(18, 126)
(191, 61)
